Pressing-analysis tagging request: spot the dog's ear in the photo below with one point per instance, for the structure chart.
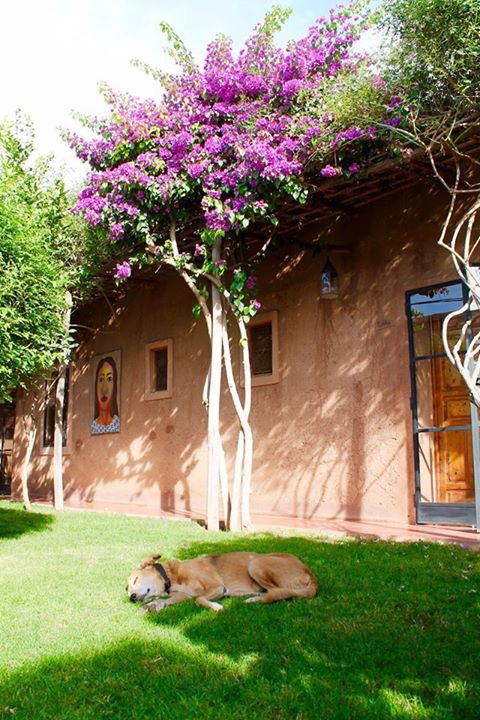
(149, 562)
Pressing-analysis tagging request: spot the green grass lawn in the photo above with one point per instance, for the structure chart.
(393, 633)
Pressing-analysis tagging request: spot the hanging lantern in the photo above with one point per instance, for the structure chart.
(329, 282)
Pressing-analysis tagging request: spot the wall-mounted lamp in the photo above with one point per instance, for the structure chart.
(329, 282)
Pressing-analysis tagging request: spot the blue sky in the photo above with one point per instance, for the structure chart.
(54, 52)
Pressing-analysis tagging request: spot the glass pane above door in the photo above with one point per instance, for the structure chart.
(426, 311)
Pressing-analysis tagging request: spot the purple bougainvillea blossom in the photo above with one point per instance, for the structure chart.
(394, 102)
(394, 121)
(116, 231)
(123, 270)
(329, 171)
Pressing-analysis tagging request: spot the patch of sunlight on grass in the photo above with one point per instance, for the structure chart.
(404, 707)
(456, 688)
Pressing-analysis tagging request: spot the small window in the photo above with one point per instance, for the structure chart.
(261, 349)
(158, 370)
(49, 412)
(160, 375)
(263, 342)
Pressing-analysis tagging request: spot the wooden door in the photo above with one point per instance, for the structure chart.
(453, 450)
(7, 425)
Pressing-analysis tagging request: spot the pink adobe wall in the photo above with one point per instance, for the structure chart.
(332, 438)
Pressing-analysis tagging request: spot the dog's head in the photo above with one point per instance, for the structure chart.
(147, 581)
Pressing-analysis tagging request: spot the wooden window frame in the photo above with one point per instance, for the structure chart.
(67, 448)
(272, 378)
(150, 349)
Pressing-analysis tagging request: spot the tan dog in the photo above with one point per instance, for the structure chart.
(268, 578)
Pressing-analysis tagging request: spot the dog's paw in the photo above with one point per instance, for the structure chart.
(154, 606)
(216, 606)
(254, 598)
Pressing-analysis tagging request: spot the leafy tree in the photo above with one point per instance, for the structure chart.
(46, 255)
(33, 281)
(433, 69)
(434, 49)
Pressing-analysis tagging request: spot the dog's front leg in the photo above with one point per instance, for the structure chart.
(157, 605)
(205, 599)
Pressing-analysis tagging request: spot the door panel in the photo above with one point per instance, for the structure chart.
(453, 451)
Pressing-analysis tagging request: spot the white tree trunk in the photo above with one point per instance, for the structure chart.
(460, 236)
(31, 435)
(58, 432)
(58, 440)
(235, 517)
(240, 507)
(214, 405)
(247, 431)
(223, 476)
(236, 511)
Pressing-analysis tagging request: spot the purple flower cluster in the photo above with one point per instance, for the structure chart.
(349, 135)
(394, 102)
(393, 121)
(329, 171)
(116, 231)
(123, 270)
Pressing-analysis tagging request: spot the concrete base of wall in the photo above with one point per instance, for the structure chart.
(334, 529)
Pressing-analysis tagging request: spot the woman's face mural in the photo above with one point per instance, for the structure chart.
(105, 405)
(105, 386)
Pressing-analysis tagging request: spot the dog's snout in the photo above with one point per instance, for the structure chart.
(133, 597)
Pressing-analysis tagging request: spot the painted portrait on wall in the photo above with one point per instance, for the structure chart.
(106, 393)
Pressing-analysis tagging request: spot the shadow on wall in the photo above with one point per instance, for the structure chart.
(158, 444)
(349, 427)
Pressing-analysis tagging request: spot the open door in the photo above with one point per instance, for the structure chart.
(442, 412)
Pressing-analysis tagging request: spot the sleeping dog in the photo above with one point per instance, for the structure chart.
(266, 578)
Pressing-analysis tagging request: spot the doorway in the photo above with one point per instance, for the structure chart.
(443, 416)
(7, 427)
